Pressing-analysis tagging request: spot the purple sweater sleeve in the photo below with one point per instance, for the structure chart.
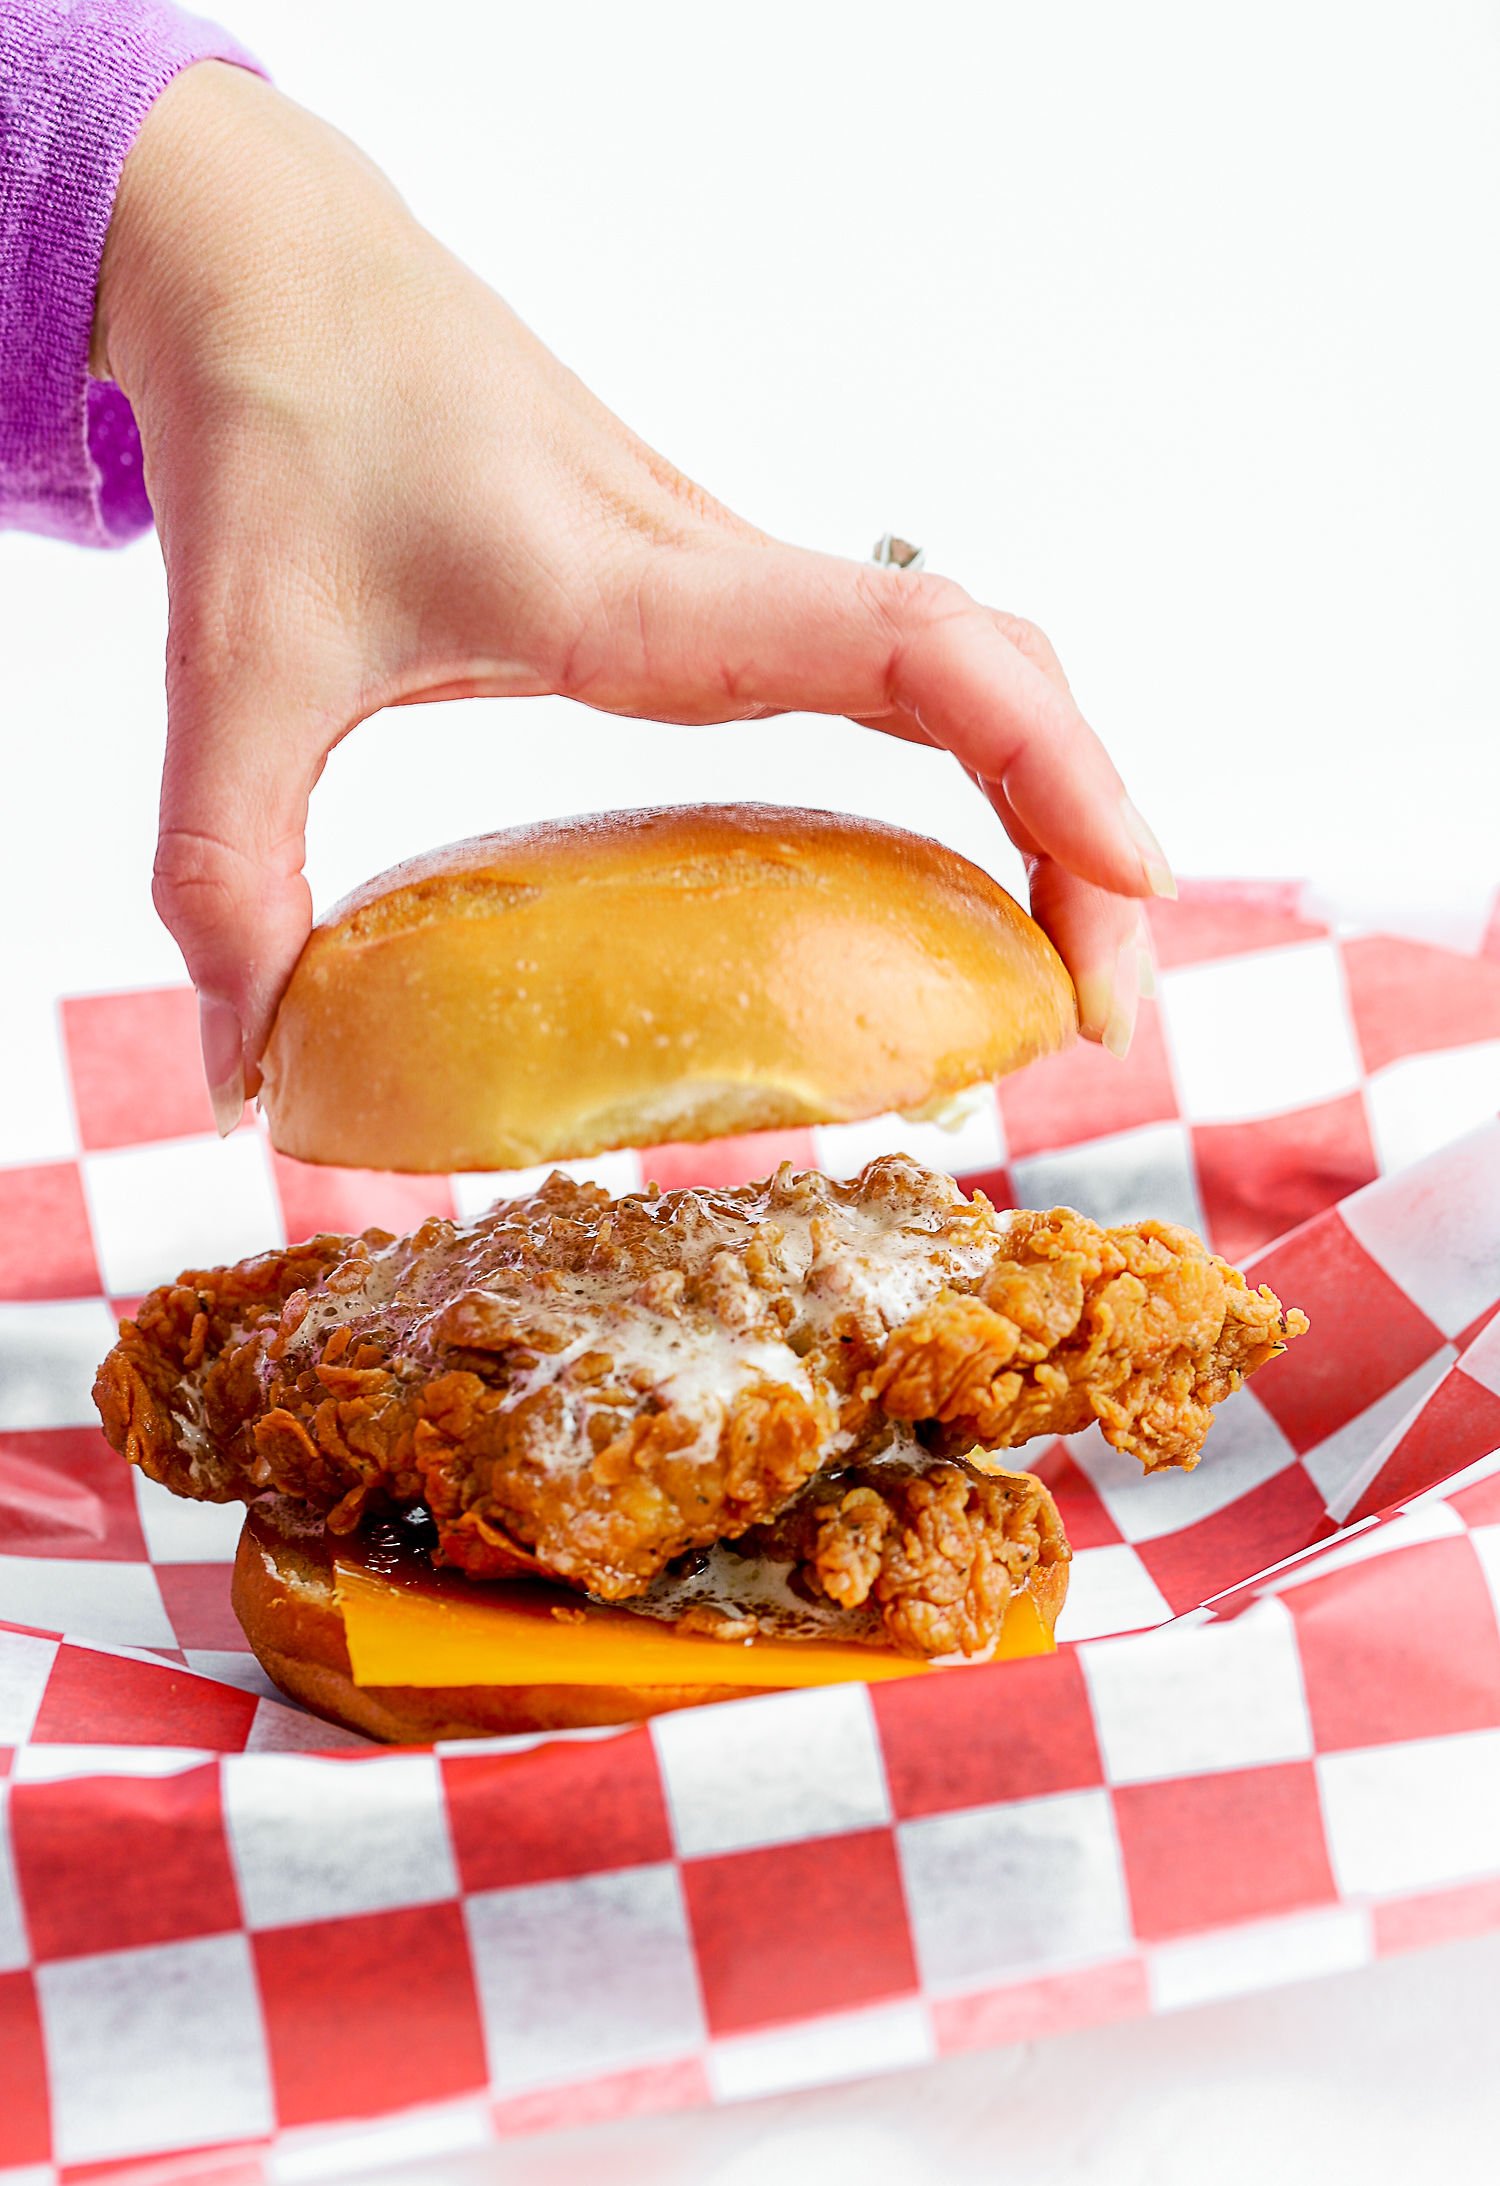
(76, 80)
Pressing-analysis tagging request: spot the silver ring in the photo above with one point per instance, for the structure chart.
(893, 553)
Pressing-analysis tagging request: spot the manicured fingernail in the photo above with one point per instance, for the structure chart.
(1120, 1028)
(1153, 857)
(1107, 1000)
(1147, 967)
(1096, 997)
(223, 1046)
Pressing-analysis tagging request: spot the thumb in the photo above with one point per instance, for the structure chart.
(228, 882)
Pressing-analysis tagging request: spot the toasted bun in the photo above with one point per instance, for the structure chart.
(638, 977)
(283, 1595)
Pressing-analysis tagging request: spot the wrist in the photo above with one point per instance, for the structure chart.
(165, 177)
(198, 276)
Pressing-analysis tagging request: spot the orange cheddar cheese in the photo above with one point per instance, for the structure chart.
(508, 1635)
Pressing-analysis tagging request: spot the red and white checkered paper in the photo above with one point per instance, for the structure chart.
(234, 1944)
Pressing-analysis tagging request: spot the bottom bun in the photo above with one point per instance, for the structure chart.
(283, 1594)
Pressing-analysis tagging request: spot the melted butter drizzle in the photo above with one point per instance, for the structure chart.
(881, 1251)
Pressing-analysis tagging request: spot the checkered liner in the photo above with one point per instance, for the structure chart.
(228, 1935)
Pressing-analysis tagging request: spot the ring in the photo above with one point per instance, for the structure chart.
(893, 553)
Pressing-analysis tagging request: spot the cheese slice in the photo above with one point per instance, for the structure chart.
(507, 1635)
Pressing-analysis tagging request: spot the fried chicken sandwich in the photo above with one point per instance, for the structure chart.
(754, 1427)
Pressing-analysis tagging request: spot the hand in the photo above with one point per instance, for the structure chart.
(375, 487)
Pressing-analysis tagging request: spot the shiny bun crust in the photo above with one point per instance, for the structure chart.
(637, 977)
(283, 1596)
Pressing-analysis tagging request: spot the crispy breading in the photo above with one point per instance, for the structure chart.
(937, 1550)
(1141, 1329)
(594, 1388)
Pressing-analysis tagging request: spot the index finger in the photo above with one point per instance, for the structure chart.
(783, 629)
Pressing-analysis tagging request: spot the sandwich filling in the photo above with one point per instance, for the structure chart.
(639, 1396)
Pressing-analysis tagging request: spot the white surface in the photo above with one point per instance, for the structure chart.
(365, 1838)
(1110, 1590)
(180, 1532)
(106, 2019)
(15, 1949)
(844, 2046)
(114, 1603)
(1378, 1804)
(1415, 1106)
(994, 1889)
(619, 1988)
(1443, 1258)
(28, 1665)
(1124, 1177)
(1258, 1713)
(1173, 328)
(1226, 1072)
(1249, 1448)
(50, 1350)
(761, 1773)
(1261, 1955)
(184, 1201)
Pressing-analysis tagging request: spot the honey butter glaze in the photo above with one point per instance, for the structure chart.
(684, 1298)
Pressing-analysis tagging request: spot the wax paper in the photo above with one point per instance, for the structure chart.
(238, 1945)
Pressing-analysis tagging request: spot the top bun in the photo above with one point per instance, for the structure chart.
(629, 978)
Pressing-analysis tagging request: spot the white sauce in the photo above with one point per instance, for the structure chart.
(754, 1587)
(825, 1256)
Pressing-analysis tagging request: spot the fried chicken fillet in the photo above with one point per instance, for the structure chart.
(597, 1388)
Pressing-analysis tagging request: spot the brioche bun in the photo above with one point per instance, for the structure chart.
(630, 978)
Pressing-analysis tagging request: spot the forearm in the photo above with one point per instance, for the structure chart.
(75, 86)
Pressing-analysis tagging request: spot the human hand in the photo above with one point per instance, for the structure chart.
(375, 487)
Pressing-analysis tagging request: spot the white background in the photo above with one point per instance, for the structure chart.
(1174, 328)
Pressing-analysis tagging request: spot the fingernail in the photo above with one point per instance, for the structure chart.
(223, 1046)
(1153, 857)
(1096, 994)
(1147, 966)
(1120, 1030)
(1107, 1000)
